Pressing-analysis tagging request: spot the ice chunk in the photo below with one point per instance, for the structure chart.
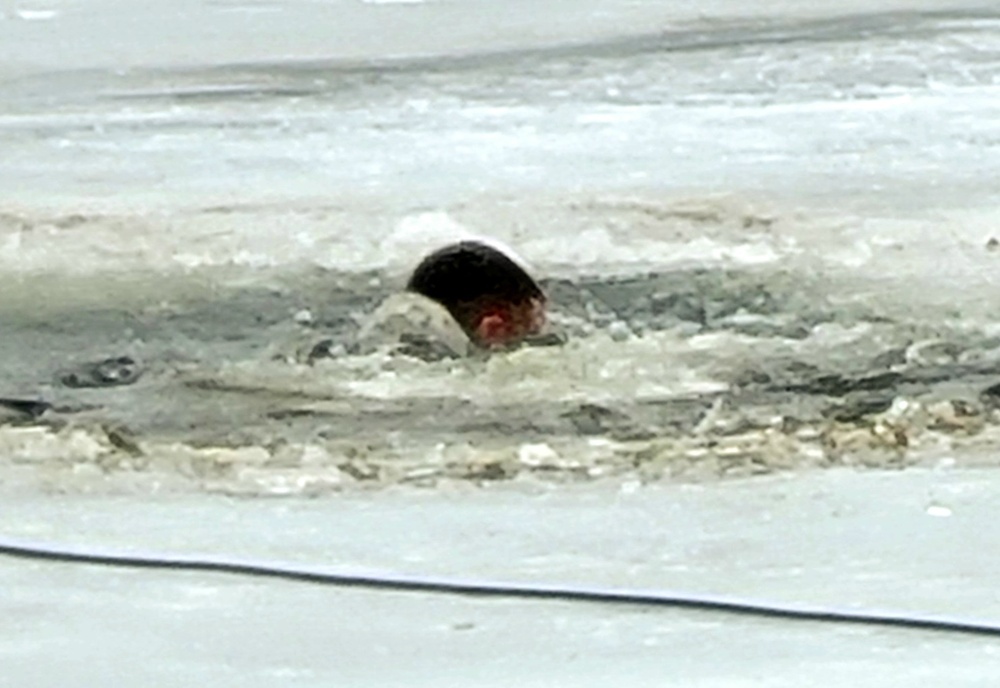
(413, 324)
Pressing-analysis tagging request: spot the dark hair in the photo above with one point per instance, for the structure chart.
(464, 277)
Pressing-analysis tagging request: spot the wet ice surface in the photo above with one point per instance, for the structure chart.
(894, 104)
(837, 538)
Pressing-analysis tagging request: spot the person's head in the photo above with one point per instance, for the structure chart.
(493, 299)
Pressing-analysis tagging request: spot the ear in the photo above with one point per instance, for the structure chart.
(493, 328)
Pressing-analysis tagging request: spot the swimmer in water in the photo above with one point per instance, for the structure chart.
(491, 297)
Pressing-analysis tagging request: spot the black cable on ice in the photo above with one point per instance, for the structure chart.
(481, 588)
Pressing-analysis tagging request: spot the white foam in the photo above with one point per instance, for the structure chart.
(415, 234)
(599, 247)
(36, 15)
(597, 369)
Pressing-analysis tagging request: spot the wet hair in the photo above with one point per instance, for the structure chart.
(470, 276)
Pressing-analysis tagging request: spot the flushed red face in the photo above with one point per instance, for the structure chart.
(507, 325)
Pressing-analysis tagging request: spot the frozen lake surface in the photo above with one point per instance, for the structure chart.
(910, 541)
